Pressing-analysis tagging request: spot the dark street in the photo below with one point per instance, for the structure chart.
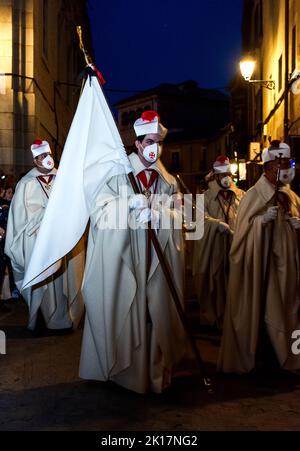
(40, 390)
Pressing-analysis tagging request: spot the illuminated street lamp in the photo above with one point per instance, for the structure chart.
(242, 170)
(247, 67)
(234, 168)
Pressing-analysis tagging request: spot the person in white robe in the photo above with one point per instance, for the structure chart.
(262, 311)
(58, 298)
(211, 253)
(132, 334)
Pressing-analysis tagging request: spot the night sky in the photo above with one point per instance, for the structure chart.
(139, 44)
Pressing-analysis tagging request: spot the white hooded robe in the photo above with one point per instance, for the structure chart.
(121, 342)
(59, 296)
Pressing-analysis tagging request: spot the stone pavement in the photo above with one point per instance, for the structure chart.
(40, 390)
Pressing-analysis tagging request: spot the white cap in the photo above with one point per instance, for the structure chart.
(38, 147)
(221, 165)
(149, 123)
(282, 150)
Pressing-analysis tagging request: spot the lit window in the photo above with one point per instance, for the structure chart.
(45, 28)
(294, 49)
(280, 74)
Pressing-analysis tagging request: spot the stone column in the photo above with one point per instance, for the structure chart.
(17, 100)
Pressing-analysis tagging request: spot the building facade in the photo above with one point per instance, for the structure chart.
(271, 36)
(191, 114)
(41, 61)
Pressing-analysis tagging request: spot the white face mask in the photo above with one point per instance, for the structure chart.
(226, 182)
(287, 175)
(48, 163)
(152, 153)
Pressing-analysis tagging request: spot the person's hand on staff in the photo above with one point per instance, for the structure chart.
(270, 215)
(295, 222)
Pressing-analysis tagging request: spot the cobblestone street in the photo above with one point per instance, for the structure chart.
(40, 390)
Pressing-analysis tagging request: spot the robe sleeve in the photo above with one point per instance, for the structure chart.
(25, 215)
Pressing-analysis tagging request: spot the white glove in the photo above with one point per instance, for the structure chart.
(295, 222)
(147, 215)
(138, 202)
(270, 215)
(224, 228)
(178, 201)
(2, 233)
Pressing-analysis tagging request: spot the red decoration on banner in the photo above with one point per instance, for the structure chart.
(149, 116)
(99, 75)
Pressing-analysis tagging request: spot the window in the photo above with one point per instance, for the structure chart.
(294, 49)
(129, 117)
(258, 22)
(45, 28)
(227, 145)
(125, 119)
(295, 146)
(60, 65)
(261, 19)
(280, 74)
(175, 164)
(69, 74)
(259, 106)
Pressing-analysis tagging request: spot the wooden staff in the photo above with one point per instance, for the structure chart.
(87, 58)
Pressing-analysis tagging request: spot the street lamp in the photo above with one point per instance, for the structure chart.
(247, 67)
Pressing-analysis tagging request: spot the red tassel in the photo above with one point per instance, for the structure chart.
(99, 75)
(149, 116)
